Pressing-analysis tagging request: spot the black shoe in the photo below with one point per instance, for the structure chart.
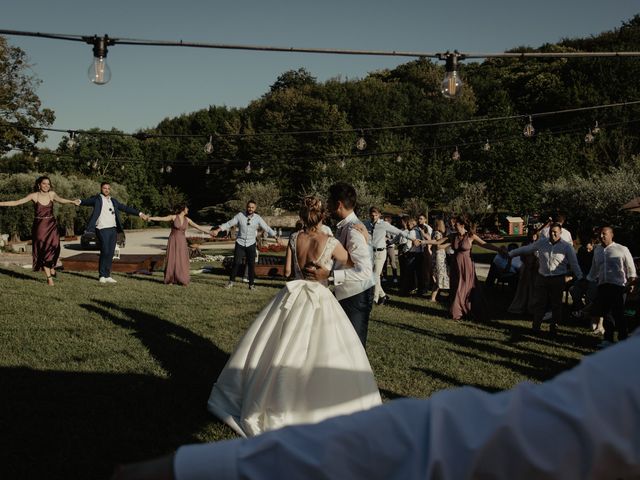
(383, 300)
(553, 329)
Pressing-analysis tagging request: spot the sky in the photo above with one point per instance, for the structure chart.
(151, 83)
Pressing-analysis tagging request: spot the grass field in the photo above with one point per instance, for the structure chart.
(93, 375)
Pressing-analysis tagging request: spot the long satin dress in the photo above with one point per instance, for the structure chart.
(45, 239)
(463, 278)
(301, 361)
(176, 267)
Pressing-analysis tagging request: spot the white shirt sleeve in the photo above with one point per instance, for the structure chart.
(360, 254)
(581, 425)
(234, 221)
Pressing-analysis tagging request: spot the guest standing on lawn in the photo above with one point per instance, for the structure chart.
(247, 223)
(105, 221)
(176, 263)
(45, 239)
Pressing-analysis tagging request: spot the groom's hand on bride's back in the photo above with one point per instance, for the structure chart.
(315, 272)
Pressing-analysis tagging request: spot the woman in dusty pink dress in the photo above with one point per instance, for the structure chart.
(176, 264)
(463, 272)
(45, 240)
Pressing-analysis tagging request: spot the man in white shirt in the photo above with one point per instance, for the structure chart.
(615, 272)
(556, 259)
(379, 229)
(568, 428)
(354, 286)
(247, 224)
(105, 221)
(564, 235)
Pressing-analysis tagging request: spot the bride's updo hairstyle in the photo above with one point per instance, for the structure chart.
(311, 212)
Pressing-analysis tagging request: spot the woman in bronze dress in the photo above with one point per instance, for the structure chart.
(44, 233)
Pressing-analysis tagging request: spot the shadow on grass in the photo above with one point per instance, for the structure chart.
(20, 276)
(427, 309)
(454, 382)
(67, 425)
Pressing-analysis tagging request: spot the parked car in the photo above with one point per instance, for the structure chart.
(89, 240)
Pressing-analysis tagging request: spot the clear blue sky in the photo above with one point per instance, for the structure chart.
(152, 83)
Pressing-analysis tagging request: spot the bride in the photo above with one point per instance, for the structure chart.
(301, 361)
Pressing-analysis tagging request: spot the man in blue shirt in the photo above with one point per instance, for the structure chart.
(247, 224)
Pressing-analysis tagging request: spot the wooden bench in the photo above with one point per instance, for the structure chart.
(124, 264)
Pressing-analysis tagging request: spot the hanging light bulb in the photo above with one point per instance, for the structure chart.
(323, 167)
(361, 143)
(72, 139)
(162, 169)
(399, 159)
(455, 155)
(208, 171)
(208, 148)
(261, 170)
(487, 146)
(529, 131)
(94, 165)
(595, 130)
(342, 163)
(99, 72)
(122, 167)
(169, 169)
(589, 138)
(36, 159)
(247, 169)
(88, 163)
(451, 86)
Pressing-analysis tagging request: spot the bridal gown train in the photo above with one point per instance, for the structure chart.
(301, 361)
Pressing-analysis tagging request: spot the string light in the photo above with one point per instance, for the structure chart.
(169, 169)
(595, 130)
(208, 148)
(361, 143)
(99, 72)
(208, 170)
(342, 163)
(247, 169)
(162, 169)
(261, 170)
(455, 156)
(451, 86)
(487, 146)
(399, 159)
(71, 143)
(529, 131)
(589, 138)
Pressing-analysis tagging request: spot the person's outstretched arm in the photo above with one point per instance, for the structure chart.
(196, 226)
(167, 218)
(14, 203)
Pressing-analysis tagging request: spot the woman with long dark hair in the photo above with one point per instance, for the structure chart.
(45, 239)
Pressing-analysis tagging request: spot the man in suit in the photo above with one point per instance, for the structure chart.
(354, 286)
(105, 221)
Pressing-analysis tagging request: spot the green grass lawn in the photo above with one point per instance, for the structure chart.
(93, 375)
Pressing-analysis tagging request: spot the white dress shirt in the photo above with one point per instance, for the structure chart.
(107, 217)
(553, 258)
(351, 281)
(415, 233)
(247, 228)
(581, 425)
(612, 264)
(379, 231)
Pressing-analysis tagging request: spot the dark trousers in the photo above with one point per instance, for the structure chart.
(239, 254)
(610, 299)
(415, 272)
(358, 309)
(107, 237)
(548, 291)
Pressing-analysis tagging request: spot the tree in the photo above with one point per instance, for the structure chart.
(20, 107)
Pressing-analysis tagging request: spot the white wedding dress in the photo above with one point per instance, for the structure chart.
(300, 362)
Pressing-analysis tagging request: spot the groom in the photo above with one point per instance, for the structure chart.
(354, 286)
(105, 221)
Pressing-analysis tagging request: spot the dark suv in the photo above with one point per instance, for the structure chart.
(89, 240)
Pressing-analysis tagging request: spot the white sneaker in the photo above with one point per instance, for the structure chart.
(103, 280)
(110, 280)
(547, 316)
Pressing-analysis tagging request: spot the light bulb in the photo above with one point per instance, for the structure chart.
(261, 170)
(342, 163)
(361, 143)
(168, 169)
(455, 155)
(208, 171)
(451, 86)
(72, 139)
(589, 138)
(247, 169)
(99, 71)
(162, 169)
(208, 148)
(595, 130)
(122, 167)
(487, 146)
(399, 159)
(529, 131)
(94, 165)
(323, 167)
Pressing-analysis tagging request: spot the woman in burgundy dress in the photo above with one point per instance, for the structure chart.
(463, 274)
(44, 233)
(176, 264)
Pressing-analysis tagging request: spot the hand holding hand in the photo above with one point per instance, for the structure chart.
(417, 242)
(315, 272)
(214, 232)
(77, 202)
(145, 217)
